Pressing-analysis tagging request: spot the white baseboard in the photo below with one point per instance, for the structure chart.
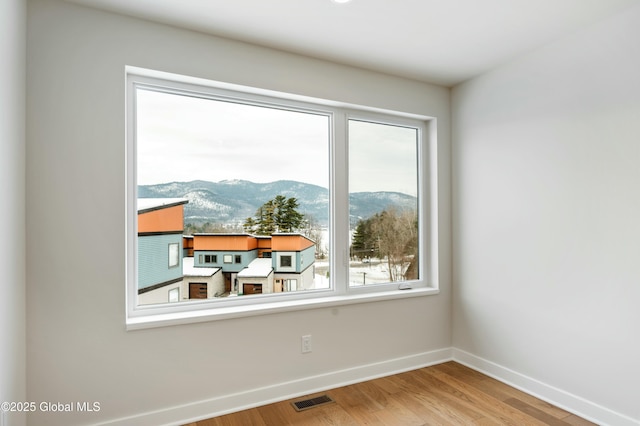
(225, 404)
(241, 401)
(562, 399)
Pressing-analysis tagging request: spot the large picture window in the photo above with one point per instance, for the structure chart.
(258, 179)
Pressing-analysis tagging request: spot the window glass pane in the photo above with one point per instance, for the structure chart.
(285, 261)
(174, 255)
(242, 180)
(383, 203)
(174, 295)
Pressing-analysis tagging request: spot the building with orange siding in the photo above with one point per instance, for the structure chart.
(160, 252)
(290, 265)
(161, 215)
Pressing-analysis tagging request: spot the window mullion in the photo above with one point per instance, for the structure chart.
(340, 203)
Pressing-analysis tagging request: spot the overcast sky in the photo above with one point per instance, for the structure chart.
(183, 138)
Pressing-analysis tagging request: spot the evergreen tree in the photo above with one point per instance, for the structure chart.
(289, 219)
(277, 215)
(265, 218)
(363, 244)
(249, 225)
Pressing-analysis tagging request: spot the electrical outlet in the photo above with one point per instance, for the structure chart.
(306, 344)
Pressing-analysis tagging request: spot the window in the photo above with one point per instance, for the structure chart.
(285, 261)
(174, 295)
(174, 255)
(290, 285)
(347, 190)
(384, 246)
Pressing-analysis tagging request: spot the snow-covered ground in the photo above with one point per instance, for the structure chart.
(373, 272)
(360, 273)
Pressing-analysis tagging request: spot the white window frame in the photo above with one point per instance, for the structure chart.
(147, 316)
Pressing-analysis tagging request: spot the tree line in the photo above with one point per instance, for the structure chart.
(279, 214)
(391, 235)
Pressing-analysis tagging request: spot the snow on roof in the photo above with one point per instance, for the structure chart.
(258, 268)
(222, 234)
(189, 270)
(156, 203)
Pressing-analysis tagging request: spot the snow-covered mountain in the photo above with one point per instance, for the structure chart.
(232, 201)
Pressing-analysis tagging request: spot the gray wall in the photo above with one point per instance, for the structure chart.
(78, 347)
(13, 23)
(546, 205)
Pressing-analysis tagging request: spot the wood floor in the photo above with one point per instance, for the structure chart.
(445, 394)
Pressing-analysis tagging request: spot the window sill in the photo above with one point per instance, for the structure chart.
(221, 313)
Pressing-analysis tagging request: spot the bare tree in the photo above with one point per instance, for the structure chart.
(396, 233)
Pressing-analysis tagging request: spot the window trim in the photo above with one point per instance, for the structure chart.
(146, 316)
(292, 258)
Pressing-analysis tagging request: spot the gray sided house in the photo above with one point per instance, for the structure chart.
(160, 249)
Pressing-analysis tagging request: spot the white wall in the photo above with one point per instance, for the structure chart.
(546, 201)
(13, 28)
(78, 347)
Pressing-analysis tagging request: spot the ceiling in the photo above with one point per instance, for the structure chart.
(438, 41)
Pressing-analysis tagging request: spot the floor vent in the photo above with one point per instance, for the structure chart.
(312, 402)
